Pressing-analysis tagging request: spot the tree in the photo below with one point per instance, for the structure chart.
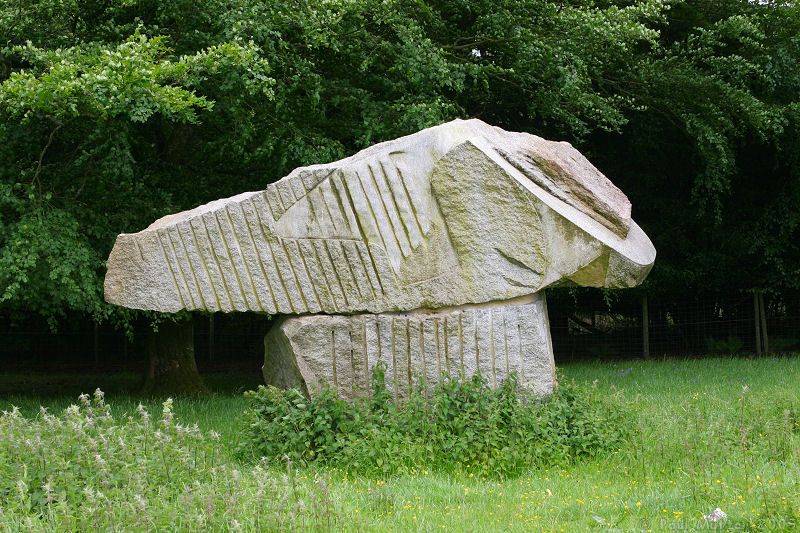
(113, 114)
(171, 365)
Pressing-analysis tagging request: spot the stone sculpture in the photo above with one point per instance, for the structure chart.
(428, 253)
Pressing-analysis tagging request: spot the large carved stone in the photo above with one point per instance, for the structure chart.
(342, 350)
(456, 215)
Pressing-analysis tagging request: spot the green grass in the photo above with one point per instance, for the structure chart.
(709, 433)
(219, 411)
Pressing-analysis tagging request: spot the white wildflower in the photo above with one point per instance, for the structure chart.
(84, 398)
(166, 417)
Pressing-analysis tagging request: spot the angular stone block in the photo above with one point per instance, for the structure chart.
(458, 214)
(338, 351)
(427, 253)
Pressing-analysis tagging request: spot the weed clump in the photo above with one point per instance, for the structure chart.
(87, 470)
(461, 426)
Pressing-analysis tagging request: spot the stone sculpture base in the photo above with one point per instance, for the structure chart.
(340, 351)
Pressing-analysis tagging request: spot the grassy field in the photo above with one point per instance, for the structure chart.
(708, 433)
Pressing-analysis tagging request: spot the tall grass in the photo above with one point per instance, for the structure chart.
(707, 434)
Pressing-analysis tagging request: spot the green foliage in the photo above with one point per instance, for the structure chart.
(463, 426)
(130, 81)
(114, 114)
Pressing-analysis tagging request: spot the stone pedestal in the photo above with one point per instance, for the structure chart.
(340, 351)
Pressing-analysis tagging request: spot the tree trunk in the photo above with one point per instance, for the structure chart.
(171, 365)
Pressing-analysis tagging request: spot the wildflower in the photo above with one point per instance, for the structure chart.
(166, 417)
(84, 398)
(101, 463)
(22, 488)
(143, 413)
(140, 503)
(715, 516)
(48, 491)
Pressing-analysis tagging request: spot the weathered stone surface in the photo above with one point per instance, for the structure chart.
(341, 351)
(458, 214)
(428, 253)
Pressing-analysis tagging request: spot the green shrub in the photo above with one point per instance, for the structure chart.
(461, 426)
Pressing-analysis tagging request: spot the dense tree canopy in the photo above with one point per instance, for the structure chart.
(113, 113)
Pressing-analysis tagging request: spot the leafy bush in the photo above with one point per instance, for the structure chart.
(462, 426)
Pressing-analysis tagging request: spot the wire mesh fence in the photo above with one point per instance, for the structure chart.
(585, 324)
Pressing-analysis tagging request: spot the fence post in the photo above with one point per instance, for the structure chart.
(645, 328)
(757, 311)
(763, 313)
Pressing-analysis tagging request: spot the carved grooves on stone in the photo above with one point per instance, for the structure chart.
(384, 212)
(335, 272)
(491, 341)
(226, 260)
(231, 260)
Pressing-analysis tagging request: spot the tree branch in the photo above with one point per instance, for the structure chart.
(36, 174)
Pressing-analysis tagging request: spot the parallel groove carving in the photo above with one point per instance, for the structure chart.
(369, 216)
(191, 265)
(357, 220)
(317, 274)
(257, 253)
(215, 257)
(422, 230)
(389, 222)
(204, 261)
(328, 269)
(180, 267)
(344, 269)
(415, 347)
(402, 204)
(273, 200)
(307, 281)
(234, 281)
(243, 260)
(171, 268)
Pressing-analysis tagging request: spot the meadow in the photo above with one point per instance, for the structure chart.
(706, 433)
